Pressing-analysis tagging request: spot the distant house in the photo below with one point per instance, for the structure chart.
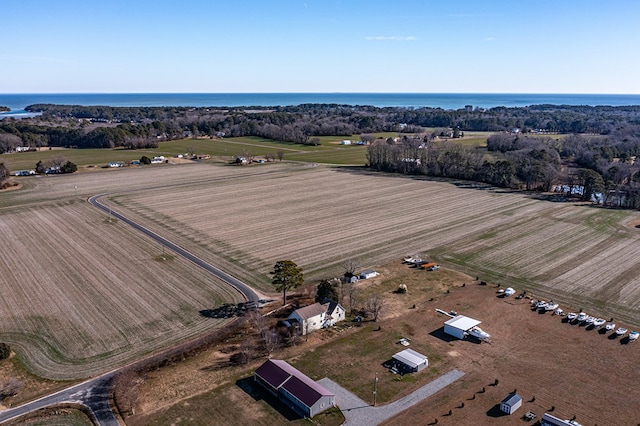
(369, 273)
(294, 388)
(410, 361)
(511, 403)
(319, 315)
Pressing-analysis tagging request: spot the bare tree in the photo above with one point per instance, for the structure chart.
(280, 154)
(351, 293)
(10, 388)
(350, 267)
(271, 341)
(374, 306)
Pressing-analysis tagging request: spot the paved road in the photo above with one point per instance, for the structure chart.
(243, 288)
(94, 393)
(360, 413)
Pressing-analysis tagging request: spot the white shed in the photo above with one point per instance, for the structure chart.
(511, 403)
(411, 360)
(369, 273)
(458, 326)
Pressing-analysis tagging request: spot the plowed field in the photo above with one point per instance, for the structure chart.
(81, 294)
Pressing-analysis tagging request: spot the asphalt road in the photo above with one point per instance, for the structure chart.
(94, 393)
(244, 289)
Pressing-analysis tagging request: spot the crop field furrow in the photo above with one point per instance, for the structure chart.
(91, 289)
(82, 294)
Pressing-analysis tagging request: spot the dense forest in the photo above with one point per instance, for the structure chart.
(587, 151)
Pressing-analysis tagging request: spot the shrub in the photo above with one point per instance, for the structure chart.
(5, 351)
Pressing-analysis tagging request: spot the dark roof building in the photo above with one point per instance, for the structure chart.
(292, 387)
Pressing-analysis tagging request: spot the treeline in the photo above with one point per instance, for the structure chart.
(333, 119)
(16, 133)
(602, 169)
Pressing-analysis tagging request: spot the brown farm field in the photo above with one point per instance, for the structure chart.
(94, 296)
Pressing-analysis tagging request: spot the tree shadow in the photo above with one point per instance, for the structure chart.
(228, 310)
(258, 393)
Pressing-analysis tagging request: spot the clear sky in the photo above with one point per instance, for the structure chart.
(211, 46)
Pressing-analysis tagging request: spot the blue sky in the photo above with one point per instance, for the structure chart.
(516, 46)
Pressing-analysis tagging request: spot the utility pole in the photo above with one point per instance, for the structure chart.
(375, 389)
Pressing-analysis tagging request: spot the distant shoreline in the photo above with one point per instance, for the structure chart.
(447, 101)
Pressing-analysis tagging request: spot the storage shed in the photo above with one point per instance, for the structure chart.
(410, 361)
(295, 389)
(369, 273)
(511, 403)
(458, 326)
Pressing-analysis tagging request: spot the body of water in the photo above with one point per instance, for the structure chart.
(17, 102)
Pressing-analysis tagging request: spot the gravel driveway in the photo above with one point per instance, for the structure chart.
(360, 413)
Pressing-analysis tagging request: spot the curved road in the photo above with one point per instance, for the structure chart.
(94, 393)
(244, 289)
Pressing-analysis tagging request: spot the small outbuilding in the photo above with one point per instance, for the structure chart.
(459, 326)
(511, 403)
(369, 273)
(410, 361)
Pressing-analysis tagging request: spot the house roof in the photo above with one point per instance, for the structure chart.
(511, 399)
(462, 323)
(280, 374)
(311, 311)
(410, 357)
(332, 305)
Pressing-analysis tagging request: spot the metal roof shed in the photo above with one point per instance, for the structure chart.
(511, 403)
(458, 326)
(411, 360)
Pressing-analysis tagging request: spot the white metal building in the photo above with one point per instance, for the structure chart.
(458, 326)
(411, 360)
(511, 403)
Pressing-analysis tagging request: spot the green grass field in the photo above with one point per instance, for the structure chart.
(328, 152)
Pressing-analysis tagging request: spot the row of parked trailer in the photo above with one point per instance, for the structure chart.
(582, 318)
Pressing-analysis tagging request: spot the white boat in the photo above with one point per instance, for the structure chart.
(633, 336)
(509, 292)
(412, 259)
(551, 306)
(621, 331)
(589, 320)
(558, 312)
(598, 322)
(478, 333)
(582, 316)
(610, 326)
(571, 316)
(541, 305)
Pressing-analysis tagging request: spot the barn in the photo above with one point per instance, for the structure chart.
(293, 388)
(410, 361)
(458, 326)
